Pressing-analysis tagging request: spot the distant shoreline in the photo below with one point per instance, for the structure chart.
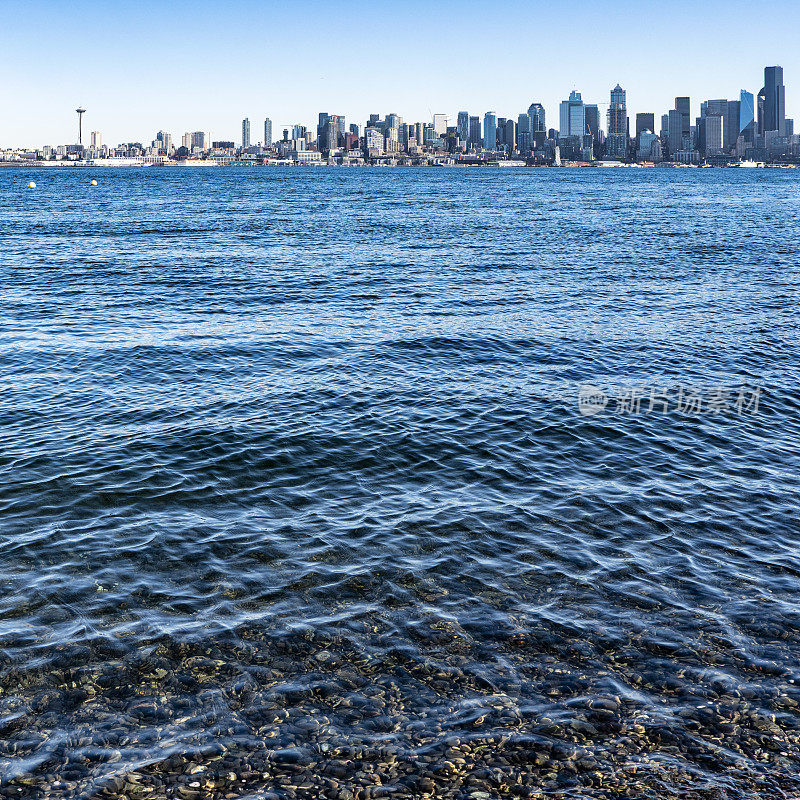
(489, 165)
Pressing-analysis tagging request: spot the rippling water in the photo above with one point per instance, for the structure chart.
(297, 498)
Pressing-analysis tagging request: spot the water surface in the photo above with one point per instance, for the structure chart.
(297, 499)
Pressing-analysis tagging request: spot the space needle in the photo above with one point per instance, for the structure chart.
(80, 111)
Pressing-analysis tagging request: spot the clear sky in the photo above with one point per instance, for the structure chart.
(144, 66)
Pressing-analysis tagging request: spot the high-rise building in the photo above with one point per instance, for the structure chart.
(524, 133)
(490, 131)
(645, 122)
(334, 131)
(684, 105)
(200, 141)
(731, 133)
(592, 113)
(510, 134)
(774, 100)
(475, 131)
(393, 121)
(536, 113)
(675, 131)
(322, 131)
(572, 116)
(268, 133)
(462, 124)
(440, 124)
(617, 139)
(714, 129)
(96, 139)
(163, 141)
(419, 133)
(664, 126)
(747, 115)
(245, 133)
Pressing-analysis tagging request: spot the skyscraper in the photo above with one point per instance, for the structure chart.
(617, 141)
(524, 132)
(572, 116)
(713, 134)
(675, 131)
(268, 132)
(645, 122)
(440, 124)
(490, 131)
(96, 139)
(774, 100)
(245, 133)
(747, 115)
(731, 133)
(536, 113)
(334, 133)
(592, 113)
(475, 131)
(463, 126)
(510, 134)
(322, 131)
(684, 105)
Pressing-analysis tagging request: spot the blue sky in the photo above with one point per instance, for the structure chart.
(141, 67)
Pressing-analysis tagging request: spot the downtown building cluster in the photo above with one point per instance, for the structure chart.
(750, 128)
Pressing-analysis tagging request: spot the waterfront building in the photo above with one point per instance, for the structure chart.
(537, 116)
(419, 133)
(713, 133)
(322, 131)
(490, 131)
(731, 132)
(649, 146)
(645, 122)
(268, 133)
(524, 133)
(335, 131)
(592, 113)
(617, 138)
(245, 133)
(462, 124)
(572, 116)
(683, 104)
(200, 140)
(510, 134)
(747, 116)
(96, 139)
(475, 131)
(774, 115)
(373, 141)
(440, 124)
(675, 131)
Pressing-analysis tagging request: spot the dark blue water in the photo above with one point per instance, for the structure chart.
(297, 498)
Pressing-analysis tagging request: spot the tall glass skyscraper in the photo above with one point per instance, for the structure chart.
(536, 114)
(774, 100)
(462, 125)
(267, 132)
(747, 115)
(490, 131)
(617, 146)
(572, 116)
(245, 133)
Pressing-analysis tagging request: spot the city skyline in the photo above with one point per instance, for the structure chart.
(199, 68)
(556, 119)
